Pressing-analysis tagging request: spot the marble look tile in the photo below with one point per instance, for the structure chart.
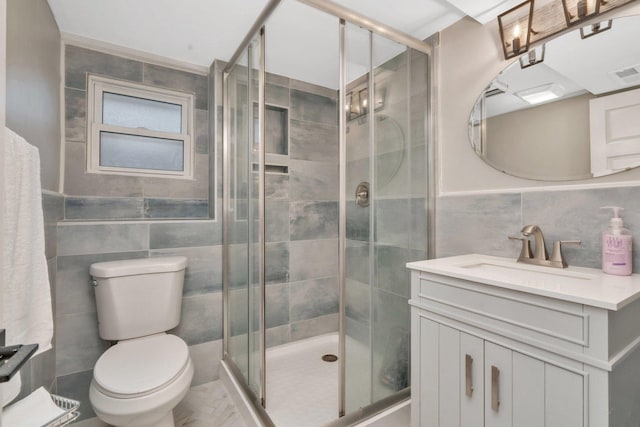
(79, 239)
(157, 75)
(75, 115)
(202, 131)
(477, 224)
(73, 291)
(392, 174)
(276, 306)
(313, 327)
(277, 262)
(238, 259)
(357, 300)
(76, 386)
(206, 359)
(276, 186)
(201, 319)
(391, 273)
(313, 180)
(207, 405)
(176, 208)
(418, 117)
(357, 172)
(197, 188)
(43, 370)
(313, 141)
(277, 95)
(52, 211)
(80, 61)
(97, 208)
(576, 214)
(358, 331)
(313, 259)
(418, 235)
(314, 298)
(357, 262)
(313, 220)
(204, 269)
(182, 234)
(357, 222)
(277, 221)
(90, 422)
(278, 335)
(313, 89)
(78, 345)
(313, 108)
(392, 222)
(79, 183)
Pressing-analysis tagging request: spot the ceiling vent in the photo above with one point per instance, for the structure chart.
(628, 75)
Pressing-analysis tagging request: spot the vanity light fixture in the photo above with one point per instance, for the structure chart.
(515, 29)
(541, 94)
(576, 11)
(535, 56)
(596, 28)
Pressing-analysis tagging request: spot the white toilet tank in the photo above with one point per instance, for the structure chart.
(138, 297)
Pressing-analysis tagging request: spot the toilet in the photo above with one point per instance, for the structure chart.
(138, 381)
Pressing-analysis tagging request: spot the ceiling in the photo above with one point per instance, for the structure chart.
(199, 31)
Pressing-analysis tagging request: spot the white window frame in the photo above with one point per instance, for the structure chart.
(97, 86)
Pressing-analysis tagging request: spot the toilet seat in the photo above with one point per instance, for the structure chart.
(141, 366)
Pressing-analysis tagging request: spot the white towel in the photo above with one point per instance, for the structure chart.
(35, 410)
(26, 312)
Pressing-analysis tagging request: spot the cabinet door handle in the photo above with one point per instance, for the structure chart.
(495, 388)
(468, 374)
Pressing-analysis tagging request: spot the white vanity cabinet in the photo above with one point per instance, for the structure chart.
(498, 344)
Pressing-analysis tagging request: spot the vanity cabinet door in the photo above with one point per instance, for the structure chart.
(471, 381)
(498, 402)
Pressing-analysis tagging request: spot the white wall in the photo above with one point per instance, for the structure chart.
(470, 57)
(33, 82)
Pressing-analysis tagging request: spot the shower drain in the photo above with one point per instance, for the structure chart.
(329, 357)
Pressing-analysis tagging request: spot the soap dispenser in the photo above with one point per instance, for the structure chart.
(616, 246)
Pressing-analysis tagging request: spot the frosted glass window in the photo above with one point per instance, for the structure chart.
(141, 152)
(133, 112)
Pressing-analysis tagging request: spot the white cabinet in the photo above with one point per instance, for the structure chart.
(485, 356)
(478, 383)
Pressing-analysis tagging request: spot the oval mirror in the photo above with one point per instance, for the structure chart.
(568, 110)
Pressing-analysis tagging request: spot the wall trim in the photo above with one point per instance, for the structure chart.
(134, 54)
(547, 188)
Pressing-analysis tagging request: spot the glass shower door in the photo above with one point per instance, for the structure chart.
(241, 217)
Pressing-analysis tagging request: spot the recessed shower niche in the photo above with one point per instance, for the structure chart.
(276, 137)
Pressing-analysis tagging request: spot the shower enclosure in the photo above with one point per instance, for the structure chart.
(325, 198)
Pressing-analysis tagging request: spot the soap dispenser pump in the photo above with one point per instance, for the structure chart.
(616, 246)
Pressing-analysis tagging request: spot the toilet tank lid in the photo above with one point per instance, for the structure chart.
(130, 267)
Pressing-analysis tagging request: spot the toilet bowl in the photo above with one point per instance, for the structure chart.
(138, 381)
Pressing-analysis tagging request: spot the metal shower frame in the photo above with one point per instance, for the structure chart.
(344, 15)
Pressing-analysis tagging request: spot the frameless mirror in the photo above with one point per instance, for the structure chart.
(568, 110)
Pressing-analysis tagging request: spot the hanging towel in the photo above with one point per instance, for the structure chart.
(26, 312)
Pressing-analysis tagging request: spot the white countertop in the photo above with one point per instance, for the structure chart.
(575, 284)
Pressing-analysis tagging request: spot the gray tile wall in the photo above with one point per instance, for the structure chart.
(81, 244)
(117, 197)
(481, 223)
(301, 221)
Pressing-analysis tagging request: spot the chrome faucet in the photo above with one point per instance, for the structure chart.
(540, 256)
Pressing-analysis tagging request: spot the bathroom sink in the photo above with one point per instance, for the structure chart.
(525, 273)
(576, 284)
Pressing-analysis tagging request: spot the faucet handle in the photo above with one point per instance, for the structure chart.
(525, 252)
(556, 255)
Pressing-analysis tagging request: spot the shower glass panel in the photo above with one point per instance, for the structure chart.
(358, 368)
(361, 163)
(391, 226)
(255, 354)
(237, 227)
